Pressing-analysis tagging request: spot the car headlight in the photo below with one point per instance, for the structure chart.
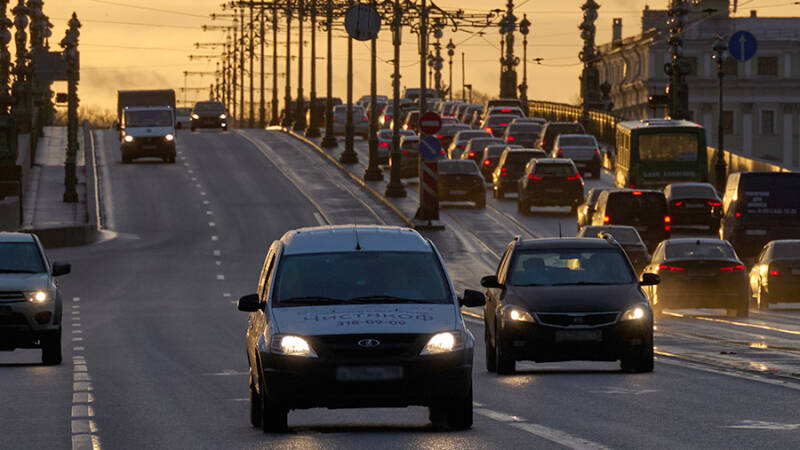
(223, 116)
(169, 137)
(195, 116)
(444, 342)
(37, 296)
(292, 346)
(128, 138)
(518, 315)
(637, 312)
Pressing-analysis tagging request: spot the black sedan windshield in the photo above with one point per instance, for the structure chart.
(360, 277)
(570, 267)
(20, 257)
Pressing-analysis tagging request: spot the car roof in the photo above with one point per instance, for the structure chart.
(352, 238)
(560, 161)
(565, 243)
(148, 108)
(609, 227)
(16, 237)
(694, 241)
(575, 135)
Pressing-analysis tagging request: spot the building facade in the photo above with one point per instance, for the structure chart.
(761, 97)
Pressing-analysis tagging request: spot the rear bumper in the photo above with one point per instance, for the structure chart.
(540, 197)
(209, 122)
(467, 194)
(701, 293)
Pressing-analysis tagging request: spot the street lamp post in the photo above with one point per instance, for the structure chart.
(287, 108)
(591, 96)
(373, 172)
(349, 156)
(450, 52)
(508, 78)
(241, 67)
(524, 28)
(437, 57)
(21, 87)
(234, 69)
(70, 46)
(262, 107)
(720, 48)
(677, 68)
(395, 188)
(251, 47)
(329, 141)
(313, 122)
(300, 113)
(274, 119)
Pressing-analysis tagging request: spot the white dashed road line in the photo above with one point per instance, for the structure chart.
(84, 431)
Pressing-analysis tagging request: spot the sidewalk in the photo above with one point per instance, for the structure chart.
(57, 224)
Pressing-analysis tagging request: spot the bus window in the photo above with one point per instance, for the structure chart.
(678, 147)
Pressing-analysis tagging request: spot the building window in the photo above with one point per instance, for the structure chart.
(692, 62)
(767, 122)
(727, 122)
(768, 66)
(730, 67)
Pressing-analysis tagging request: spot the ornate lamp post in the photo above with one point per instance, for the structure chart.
(287, 116)
(8, 152)
(70, 46)
(21, 87)
(349, 155)
(524, 28)
(373, 172)
(329, 141)
(299, 108)
(677, 69)
(591, 97)
(274, 119)
(720, 48)
(508, 77)
(437, 58)
(40, 31)
(313, 123)
(395, 188)
(450, 52)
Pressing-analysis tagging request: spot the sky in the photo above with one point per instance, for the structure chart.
(146, 44)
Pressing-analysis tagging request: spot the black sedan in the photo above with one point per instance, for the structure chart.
(694, 206)
(698, 273)
(775, 277)
(210, 114)
(567, 299)
(550, 182)
(460, 180)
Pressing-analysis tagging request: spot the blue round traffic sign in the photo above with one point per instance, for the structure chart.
(742, 45)
(430, 148)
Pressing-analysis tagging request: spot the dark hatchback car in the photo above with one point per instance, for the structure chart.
(461, 181)
(460, 141)
(411, 121)
(409, 157)
(645, 210)
(567, 299)
(551, 130)
(582, 149)
(475, 148)
(448, 131)
(627, 237)
(694, 206)
(698, 273)
(523, 134)
(496, 124)
(209, 115)
(509, 168)
(775, 277)
(491, 155)
(550, 182)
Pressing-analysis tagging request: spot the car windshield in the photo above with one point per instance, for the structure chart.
(209, 106)
(699, 250)
(463, 136)
(457, 167)
(564, 170)
(678, 147)
(156, 118)
(692, 190)
(786, 250)
(20, 257)
(570, 267)
(524, 128)
(577, 141)
(360, 277)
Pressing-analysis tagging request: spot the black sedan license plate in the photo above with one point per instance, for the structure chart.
(149, 147)
(5, 310)
(369, 373)
(579, 335)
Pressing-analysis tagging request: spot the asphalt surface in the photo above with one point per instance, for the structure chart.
(154, 347)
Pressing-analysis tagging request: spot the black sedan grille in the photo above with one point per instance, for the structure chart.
(577, 320)
(372, 345)
(15, 319)
(11, 297)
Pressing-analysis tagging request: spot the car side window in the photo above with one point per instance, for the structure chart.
(263, 284)
(501, 268)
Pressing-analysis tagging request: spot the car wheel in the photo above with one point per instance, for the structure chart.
(505, 365)
(194, 128)
(51, 348)
(763, 299)
(459, 414)
(491, 361)
(480, 201)
(255, 405)
(743, 310)
(126, 159)
(274, 418)
(639, 360)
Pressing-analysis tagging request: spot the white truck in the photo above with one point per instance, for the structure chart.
(147, 131)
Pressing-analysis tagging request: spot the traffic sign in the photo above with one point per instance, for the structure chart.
(430, 123)
(742, 45)
(430, 148)
(362, 22)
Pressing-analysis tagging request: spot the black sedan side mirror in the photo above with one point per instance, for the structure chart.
(649, 279)
(249, 303)
(490, 281)
(60, 268)
(472, 298)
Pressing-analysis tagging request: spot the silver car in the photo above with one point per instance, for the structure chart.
(385, 143)
(360, 120)
(30, 301)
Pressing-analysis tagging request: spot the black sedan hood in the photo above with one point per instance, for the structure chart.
(587, 298)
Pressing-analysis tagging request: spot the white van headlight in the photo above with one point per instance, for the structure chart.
(128, 138)
(169, 137)
(444, 342)
(291, 345)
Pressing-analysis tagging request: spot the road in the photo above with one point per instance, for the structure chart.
(154, 347)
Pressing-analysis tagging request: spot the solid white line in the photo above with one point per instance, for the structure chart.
(319, 219)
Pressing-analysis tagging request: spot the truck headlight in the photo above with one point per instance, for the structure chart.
(292, 346)
(195, 116)
(637, 312)
(518, 315)
(128, 138)
(37, 296)
(169, 137)
(223, 116)
(444, 342)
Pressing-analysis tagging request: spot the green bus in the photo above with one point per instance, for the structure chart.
(652, 153)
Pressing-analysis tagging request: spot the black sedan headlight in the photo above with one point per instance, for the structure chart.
(636, 312)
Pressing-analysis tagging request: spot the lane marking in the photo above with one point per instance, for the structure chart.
(76, 313)
(77, 331)
(218, 263)
(220, 276)
(82, 397)
(320, 219)
(83, 426)
(202, 193)
(550, 434)
(226, 373)
(198, 185)
(81, 376)
(77, 349)
(80, 368)
(740, 324)
(82, 386)
(214, 238)
(212, 224)
(205, 202)
(76, 306)
(761, 425)
(82, 411)
(209, 213)
(77, 339)
(76, 299)
(217, 253)
(666, 358)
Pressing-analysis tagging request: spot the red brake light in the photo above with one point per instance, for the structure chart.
(606, 219)
(505, 110)
(531, 177)
(365, 118)
(510, 138)
(383, 144)
(486, 162)
(714, 204)
(488, 129)
(471, 154)
(738, 214)
(560, 153)
(732, 268)
(503, 124)
(406, 152)
(574, 177)
(670, 268)
(502, 169)
(677, 203)
(667, 219)
(637, 192)
(596, 151)
(774, 273)
(385, 118)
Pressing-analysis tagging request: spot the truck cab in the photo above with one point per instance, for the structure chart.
(147, 131)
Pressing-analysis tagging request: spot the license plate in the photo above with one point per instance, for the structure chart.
(692, 205)
(755, 232)
(458, 192)
(4, 310)
(369, 373)
(149, 147)
(579, 335)
(554, 190)
(795, 271)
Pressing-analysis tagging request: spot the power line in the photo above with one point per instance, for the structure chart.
(146, 8)
(141, 24)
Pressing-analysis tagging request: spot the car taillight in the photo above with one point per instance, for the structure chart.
(738, 214)
(383, 144)
(510, 138)
(503, 124)
(774, 273)
(637, 192)
(385, 118)
(471, 154)
(406, 152)
(606, 219)
(677, 203)
(365, 118)
(574, 177)
(667, 219)
(503, 172)
(405, 126)
(670, 268)
(732, 268)
(531, 177)
(597, 151)
(632, 183)
(714, 204)
(505, 110)
(486, 162)
(488, 129)
(560, 153)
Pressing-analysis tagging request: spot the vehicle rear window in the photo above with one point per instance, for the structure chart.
(354, 277)
(20, 257)
(770, 194)
(449, 130)
(564, 128)
(570, 266)
(477, 144)
(385, 134)
(564, 170)
(457, 166)
(699, 250)
(410, 144)
(648, 205)
(499, 120)
(519, 158)
(524, 128)
(144, 118)
(692, 191)
(577, 141)
(786, 250)
(494, 152)
(463, 136)
(678, 147)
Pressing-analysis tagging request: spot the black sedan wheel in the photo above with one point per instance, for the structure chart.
(274, 418)
(255, 405)
(51, 348)
(505, 364)
(491, 361)
(639, 359)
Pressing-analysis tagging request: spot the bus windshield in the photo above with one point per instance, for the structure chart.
(668, 147)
